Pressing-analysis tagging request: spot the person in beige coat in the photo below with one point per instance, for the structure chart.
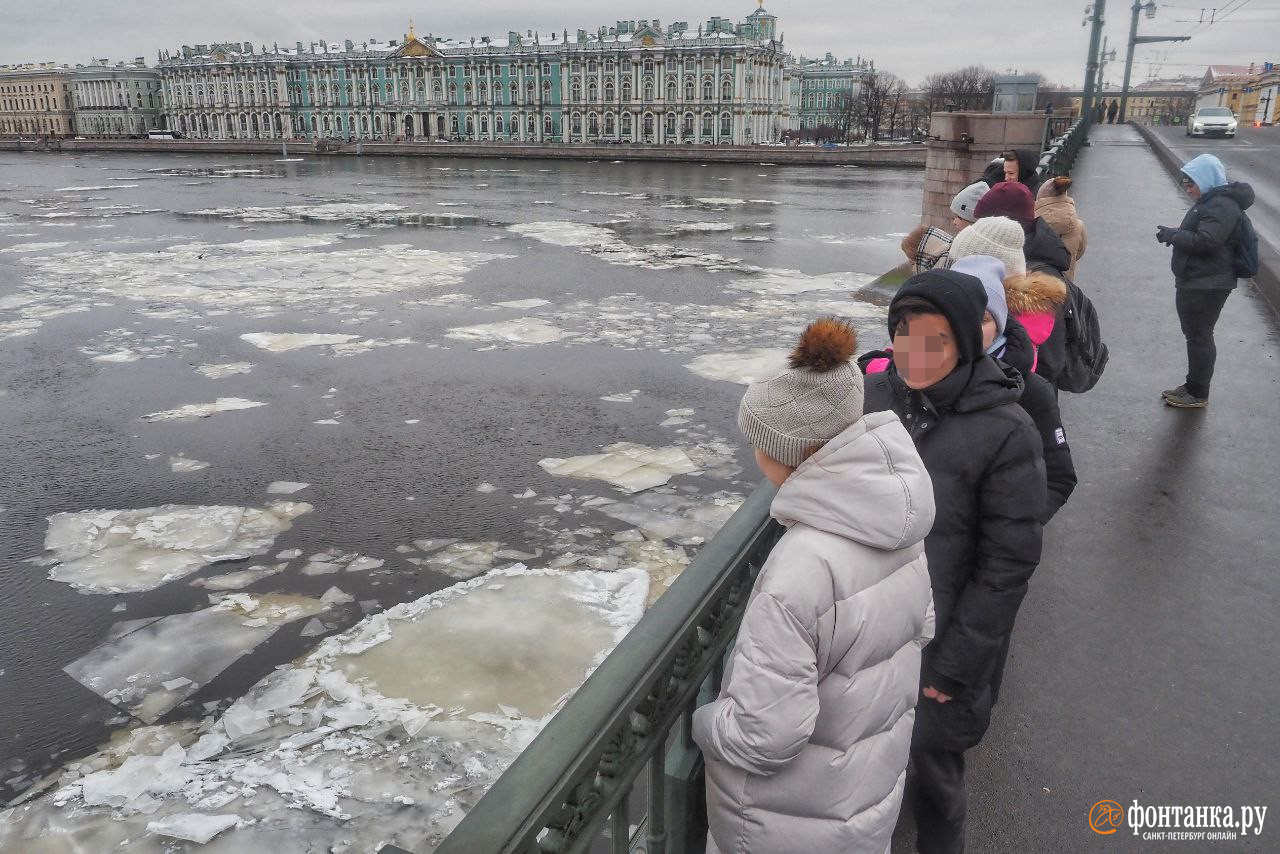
(806, 747)
(1055, 207)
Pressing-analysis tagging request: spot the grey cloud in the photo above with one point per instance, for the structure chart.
(909, 39)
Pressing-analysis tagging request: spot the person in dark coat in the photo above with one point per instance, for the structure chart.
(984, 456)
(1203, 264)
(1043, 253)
(1020, 167)
(1112, 111)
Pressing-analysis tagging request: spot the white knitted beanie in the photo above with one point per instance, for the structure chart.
(997, 236)
(803, 407)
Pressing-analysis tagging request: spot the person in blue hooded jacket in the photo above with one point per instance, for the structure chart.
(1203, 264)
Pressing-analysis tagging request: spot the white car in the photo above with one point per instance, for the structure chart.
(1212, 121)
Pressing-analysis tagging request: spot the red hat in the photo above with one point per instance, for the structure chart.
(1011, 199)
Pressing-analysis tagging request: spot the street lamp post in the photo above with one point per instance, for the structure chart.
(1149, 6)
(1091, 66)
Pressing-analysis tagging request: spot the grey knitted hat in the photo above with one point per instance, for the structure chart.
(967, 199)
(819, 397)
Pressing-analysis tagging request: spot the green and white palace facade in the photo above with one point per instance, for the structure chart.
(637, 81)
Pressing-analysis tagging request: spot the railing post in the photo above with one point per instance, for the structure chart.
(683, 784)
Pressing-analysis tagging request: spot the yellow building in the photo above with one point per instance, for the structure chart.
(35, 100)
(1233, 86)
(1269, 95)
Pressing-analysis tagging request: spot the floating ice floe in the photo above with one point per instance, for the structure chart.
(704, 226)
(622, 396)
(217, 372)
(281, 342)
(192, 827)
(794, 282)
(35, 247)
(523, 303)
(258, 278)
(628, 466)
(185, 465)
(745, 367)
(149, 666)
(464, 560)
(118, 551)
(605, 243)
(285, 487)
(366, 740)
(685, 520)
(129, 345)
(524, 330)
(240, 579)
(203, 410)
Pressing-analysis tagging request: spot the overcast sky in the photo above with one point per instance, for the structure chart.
(911, 39)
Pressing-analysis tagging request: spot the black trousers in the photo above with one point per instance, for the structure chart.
(938, 799)
(1198, 312)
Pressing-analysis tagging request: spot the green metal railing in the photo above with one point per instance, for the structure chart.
(1061, 153)
(576, 786)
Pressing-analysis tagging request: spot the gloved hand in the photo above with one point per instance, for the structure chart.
(1164, 234)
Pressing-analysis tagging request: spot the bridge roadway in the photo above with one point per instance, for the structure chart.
(1252, 156)
(1144, 660)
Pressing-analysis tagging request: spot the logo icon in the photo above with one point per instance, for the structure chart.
(1106, 817)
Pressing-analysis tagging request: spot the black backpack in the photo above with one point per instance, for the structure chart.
(1244, 261)
(1086, 352)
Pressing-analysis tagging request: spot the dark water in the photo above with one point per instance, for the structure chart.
(70, 425)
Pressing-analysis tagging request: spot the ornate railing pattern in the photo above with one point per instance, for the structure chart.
(576, 782)
(1061, 151)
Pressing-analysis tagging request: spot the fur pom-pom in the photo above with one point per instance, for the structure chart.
(825, 344)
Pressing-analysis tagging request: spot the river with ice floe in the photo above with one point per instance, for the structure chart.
(301, 456)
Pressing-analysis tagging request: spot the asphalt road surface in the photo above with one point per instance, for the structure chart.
(1252, 156)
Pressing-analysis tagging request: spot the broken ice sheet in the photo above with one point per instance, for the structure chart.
(687, 520)
(523, 303)
(628, 466)
(523, 330)
(482, 659)
(622, 396)
(152, 667)
(202, 410)
(240, 579)
(217, 372)
(285, 487)
(193, 827)
(282, 342)
(744, 368)
(300, 782)
(117, 551)
(184, 465)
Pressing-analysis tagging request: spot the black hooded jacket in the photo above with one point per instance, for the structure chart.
(1041, 403)
(983, 453)
(1204, 245)
(1028, 162)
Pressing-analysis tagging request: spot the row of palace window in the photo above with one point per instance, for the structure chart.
(29, 104)
(31, 126)
(607, 125)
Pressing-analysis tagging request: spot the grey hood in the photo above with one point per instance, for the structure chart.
(867, 485)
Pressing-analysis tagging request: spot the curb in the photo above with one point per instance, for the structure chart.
(1268, 279)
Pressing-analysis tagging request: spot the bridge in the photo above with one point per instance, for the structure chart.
(1141, 666)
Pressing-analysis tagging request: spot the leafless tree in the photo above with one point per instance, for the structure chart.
(968, 88)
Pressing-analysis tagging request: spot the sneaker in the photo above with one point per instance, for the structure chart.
(1183, 399)
(1174, 392)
